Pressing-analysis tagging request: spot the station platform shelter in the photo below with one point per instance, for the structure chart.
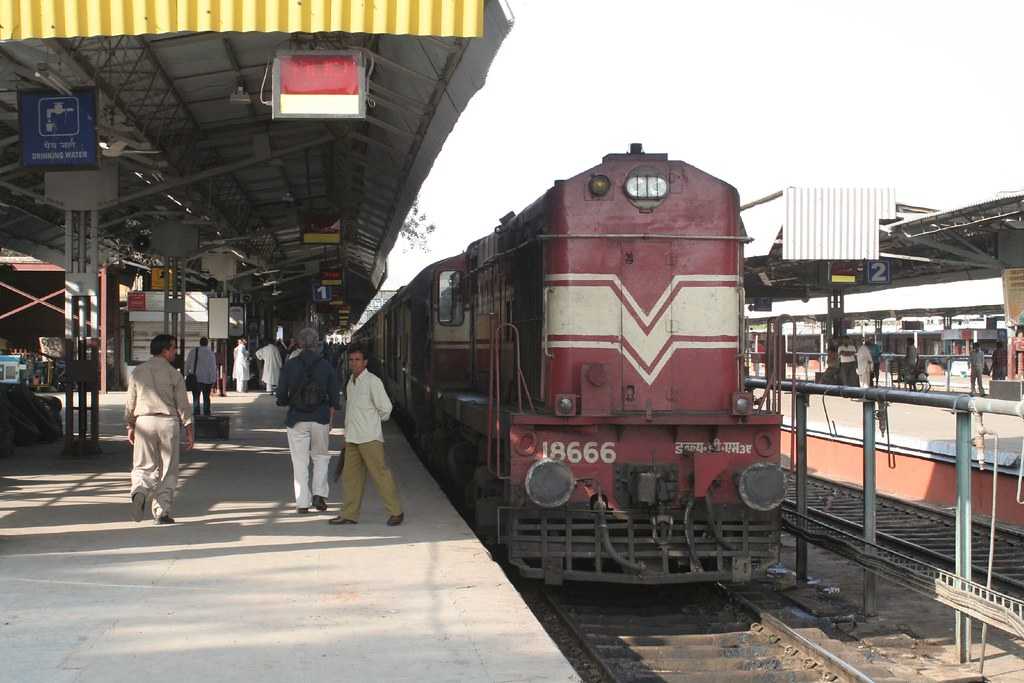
(242, 588)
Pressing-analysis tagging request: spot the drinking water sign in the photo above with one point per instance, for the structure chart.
(58, 131)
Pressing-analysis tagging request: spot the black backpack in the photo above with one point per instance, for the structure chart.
(307, 395)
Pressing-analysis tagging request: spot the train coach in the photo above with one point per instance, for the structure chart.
(575, 378)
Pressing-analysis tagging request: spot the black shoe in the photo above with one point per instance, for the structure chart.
(320, 503)
(341, 520)
(138, 505)
(164, 519)
(395, 520)
(302, 511)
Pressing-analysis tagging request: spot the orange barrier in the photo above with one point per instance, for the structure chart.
(915, 479)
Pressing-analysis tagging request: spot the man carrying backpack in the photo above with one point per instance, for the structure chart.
(309, 387)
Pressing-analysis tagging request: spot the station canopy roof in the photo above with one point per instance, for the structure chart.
(181, 87)
(924, 246)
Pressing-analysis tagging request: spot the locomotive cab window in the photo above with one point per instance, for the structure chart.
(449, 298)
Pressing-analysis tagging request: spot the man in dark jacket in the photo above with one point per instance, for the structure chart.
(309, 387)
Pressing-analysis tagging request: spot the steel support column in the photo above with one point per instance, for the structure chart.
(103, 329)
(963, 527)
(800, 425)
(81, 328)
(870, 505)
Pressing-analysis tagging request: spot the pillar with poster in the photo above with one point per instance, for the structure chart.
(1012, 388)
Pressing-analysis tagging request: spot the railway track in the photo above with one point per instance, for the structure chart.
(697, 634)
(923, 532)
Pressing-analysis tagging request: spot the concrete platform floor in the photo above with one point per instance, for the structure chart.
(242, 588)
(915, 427)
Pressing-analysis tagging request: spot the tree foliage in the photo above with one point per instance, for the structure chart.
(417, 229)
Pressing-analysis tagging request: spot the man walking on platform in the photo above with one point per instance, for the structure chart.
(309, 387)
(154, 411)
(202, 364)
(271, 359)
(366, 406)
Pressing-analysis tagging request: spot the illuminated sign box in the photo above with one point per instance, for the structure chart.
(321, 230)
(319, 85)
(842, 273)
(330, 277)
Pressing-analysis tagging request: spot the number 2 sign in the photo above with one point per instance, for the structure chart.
(879, 272)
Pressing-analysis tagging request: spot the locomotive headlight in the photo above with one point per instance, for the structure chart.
(646, 187)
(762, 486)
(549, 483)
(742, 403)
(599, 185)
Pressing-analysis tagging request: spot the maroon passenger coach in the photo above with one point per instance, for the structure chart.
(575, 378)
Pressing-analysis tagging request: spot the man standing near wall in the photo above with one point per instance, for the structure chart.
(366, 406)
(202, 364)
(977, 359)
(154, 411)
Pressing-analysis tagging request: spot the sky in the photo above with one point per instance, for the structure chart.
(920, 96)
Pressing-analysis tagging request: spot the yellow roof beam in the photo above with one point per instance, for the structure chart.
(24, 19)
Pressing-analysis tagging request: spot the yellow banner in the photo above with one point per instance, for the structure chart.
(24, 19)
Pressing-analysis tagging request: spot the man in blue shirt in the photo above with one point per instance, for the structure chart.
(876, 359)
(309, 387)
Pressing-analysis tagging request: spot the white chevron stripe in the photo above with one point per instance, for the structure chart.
(648, 377)
(645, 316)
(596, 311)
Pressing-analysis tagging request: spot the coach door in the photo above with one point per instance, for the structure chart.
(646, 294)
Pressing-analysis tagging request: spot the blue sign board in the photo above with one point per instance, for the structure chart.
(321, 293)
(879, 272)
(58, 131)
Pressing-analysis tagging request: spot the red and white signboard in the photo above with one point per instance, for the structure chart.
(136, 301)
(319, 85)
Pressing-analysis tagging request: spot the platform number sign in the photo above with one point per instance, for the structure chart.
(321, 294)
(879, 272)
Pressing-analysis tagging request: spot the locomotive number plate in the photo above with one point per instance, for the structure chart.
(579, 451)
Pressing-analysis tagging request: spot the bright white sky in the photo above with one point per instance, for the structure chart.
(920, 96)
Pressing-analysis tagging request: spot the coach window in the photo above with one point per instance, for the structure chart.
(449, 299)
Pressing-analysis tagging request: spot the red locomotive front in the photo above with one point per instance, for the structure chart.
(603, 432)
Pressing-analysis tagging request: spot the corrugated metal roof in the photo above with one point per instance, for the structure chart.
(996, 207)
(834, 223)
(23, 19)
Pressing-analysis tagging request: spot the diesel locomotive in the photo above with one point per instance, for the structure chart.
(576, 379)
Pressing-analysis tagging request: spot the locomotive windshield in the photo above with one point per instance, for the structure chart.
(449, 303)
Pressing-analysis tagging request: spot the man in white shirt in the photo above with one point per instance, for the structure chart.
(271, 359)
(847, 362)
(241, 370)
(864, 364)
(366, 406)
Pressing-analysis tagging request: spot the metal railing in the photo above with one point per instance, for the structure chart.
(979, 603)
(801, 360)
